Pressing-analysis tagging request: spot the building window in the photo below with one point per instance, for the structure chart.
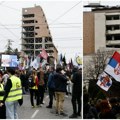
(38, 40)
(108, 28)
(109, 37)
(35, 33)
(117, 37)
(108, 17)
(36, 27)
(112, 17)
(116, 17)
(28, 15)
(36, 21)
(116, 27)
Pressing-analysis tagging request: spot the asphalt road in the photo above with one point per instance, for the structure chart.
(27, 112)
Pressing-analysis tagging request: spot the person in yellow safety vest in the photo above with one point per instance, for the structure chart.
(13, 95)
(2, 108)
(34, 89)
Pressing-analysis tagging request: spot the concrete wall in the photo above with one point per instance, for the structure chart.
(100, 31)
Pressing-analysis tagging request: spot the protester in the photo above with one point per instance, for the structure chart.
(60, 90)
(23, 80)
(34, 88)
(115, 106)
(76, 93)
(41, 86)
(2, 108)
(13, 95)
(46, 75)
(105, 110)
(51, 87)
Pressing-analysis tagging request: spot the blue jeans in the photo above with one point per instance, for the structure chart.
(11, 110)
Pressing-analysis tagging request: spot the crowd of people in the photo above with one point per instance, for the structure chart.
(15, 83)
(108, 108)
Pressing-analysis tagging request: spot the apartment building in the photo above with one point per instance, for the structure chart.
(35, 33)
(101, 28)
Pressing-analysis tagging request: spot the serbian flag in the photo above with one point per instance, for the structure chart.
(44, 54)
(113, 67)
(104, 81)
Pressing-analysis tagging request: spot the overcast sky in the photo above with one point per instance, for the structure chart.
(65, 18)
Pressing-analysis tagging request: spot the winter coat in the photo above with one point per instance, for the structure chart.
(60, 82)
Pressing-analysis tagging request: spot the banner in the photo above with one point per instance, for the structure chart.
(113, 67)
(104, 81)
(9, 61)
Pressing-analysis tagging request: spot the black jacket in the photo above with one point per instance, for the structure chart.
(77, 83)
(60, 82)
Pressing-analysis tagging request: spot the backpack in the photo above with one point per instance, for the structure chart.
(31, 81)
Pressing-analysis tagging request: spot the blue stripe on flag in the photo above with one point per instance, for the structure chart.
(113, 63)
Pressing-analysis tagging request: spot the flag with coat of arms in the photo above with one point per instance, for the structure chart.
(113, 66)
(104, 81)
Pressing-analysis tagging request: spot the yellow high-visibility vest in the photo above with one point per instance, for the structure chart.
(34, 87)
(16, 90)
(1, 92)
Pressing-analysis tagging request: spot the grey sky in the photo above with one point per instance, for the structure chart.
(64, 20)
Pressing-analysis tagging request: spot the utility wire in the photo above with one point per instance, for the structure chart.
(10, 7)
(65, 12)
(50, 27)
(45, 24)
(9, 30)
(69, 46)
(37, 15)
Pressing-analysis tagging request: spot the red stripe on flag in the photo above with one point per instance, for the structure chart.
(116, 56)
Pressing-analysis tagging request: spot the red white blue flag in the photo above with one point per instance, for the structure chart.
(113, 67)
(104, 81)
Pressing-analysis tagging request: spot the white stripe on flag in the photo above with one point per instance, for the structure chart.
(110, 71)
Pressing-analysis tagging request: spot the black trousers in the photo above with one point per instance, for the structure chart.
(34, 94)
(76, 103)
(41, 90)
(3, 112)
(51, 96)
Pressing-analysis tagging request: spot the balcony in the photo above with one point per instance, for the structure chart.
(113, 22)
(28, 18)
(49, 43)
(28, 24)
(113, 32)
(49, 49)
(113, 42)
